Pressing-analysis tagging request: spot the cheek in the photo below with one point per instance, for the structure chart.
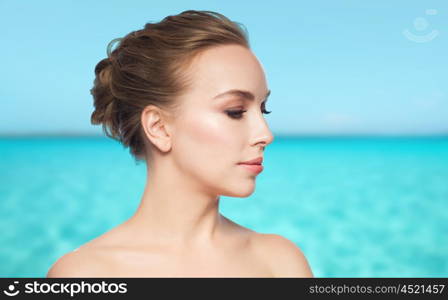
(206, 139)
(209, 131)
(208, 149)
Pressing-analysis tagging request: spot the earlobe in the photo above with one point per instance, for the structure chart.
(155, 128)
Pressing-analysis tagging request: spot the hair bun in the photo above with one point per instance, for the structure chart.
(101, 91)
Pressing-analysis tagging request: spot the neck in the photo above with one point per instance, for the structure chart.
(175, 210)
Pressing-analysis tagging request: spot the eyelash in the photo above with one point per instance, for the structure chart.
(237, 114)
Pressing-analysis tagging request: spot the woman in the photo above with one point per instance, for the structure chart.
(187, 96)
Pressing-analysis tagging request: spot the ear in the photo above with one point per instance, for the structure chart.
(156, 127)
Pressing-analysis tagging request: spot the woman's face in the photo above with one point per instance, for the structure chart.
(209, 140)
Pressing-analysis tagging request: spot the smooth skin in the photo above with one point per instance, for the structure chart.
(177, 230)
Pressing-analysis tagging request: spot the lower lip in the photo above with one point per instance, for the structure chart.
(253, 168)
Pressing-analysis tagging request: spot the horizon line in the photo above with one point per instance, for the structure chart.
(317, 134)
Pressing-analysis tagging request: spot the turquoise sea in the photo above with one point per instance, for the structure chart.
(357, 207)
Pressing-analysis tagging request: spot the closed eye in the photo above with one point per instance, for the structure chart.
(238, 114)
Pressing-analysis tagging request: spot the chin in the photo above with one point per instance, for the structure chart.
(240, 191)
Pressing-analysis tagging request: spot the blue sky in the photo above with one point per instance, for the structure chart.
(334, 67)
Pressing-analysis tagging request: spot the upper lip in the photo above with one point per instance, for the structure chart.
(256, 161)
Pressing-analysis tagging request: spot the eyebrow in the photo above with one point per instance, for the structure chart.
(240, 93)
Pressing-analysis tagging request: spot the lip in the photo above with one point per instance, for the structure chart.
(253, 165)
(253, 168)
(256, 161)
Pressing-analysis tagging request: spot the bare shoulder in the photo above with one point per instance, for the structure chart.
(79, 263)
(285, 258)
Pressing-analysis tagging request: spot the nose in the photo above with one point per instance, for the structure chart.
(263, 135)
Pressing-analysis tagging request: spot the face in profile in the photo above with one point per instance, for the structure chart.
(213, 134)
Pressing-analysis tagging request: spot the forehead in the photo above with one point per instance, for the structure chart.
(230, 67)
